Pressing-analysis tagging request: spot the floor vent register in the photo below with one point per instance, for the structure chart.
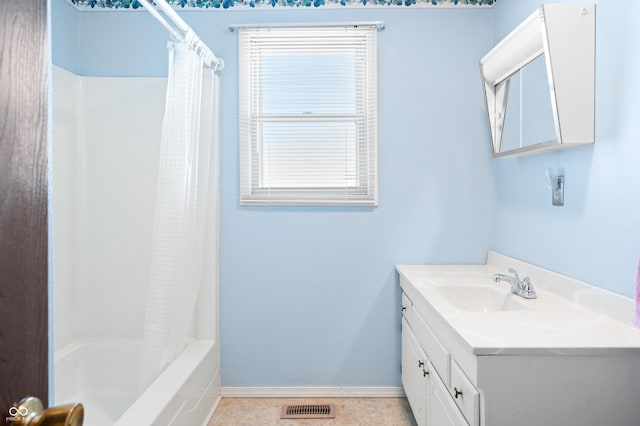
(308, 411)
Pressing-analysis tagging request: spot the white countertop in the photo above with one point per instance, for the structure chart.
(568, 317)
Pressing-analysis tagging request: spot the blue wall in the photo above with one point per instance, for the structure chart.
(65, 35)
(308, 295)
(595, 237)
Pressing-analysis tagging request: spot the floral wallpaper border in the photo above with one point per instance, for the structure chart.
(225, 4)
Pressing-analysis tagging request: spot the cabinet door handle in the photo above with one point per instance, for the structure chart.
(425, 373)
(457, 393)
(420, 363)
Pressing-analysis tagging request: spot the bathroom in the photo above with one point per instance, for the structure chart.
(308, 296)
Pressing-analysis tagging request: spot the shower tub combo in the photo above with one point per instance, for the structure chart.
(105, 168)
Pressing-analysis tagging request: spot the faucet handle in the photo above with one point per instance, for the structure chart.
(529, 292)
(514, 272)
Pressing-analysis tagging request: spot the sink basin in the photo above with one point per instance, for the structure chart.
(480, 298)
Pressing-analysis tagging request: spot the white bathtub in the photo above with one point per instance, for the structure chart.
(103, 375)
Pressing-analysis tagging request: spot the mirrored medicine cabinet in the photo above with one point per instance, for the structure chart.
(539, 82)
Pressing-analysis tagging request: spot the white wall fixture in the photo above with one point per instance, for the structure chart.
(539, 82)
(555, 182)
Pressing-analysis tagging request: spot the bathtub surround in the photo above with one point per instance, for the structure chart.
(97, 186)
(105, 178)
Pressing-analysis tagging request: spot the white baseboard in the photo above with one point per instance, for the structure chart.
(312, 392)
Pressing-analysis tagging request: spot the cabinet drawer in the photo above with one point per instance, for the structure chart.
(407, 307)
(436, 352)
(465, 395)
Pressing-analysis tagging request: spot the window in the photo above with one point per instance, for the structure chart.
(308, 115)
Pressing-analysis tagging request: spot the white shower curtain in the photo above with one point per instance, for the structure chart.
(186, 205)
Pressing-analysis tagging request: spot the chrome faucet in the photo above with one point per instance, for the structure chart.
(521, 287)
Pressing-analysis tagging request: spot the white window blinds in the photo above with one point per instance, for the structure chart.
(308, 115)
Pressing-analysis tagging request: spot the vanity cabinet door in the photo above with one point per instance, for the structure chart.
(442, 409)
(415, 374)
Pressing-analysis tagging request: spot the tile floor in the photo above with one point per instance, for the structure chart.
(349, 412)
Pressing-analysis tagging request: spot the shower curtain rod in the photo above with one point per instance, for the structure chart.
(181, 30)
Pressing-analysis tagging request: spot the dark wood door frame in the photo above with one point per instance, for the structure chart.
(24, 60)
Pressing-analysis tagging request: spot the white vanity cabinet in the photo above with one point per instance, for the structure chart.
(475, 354)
